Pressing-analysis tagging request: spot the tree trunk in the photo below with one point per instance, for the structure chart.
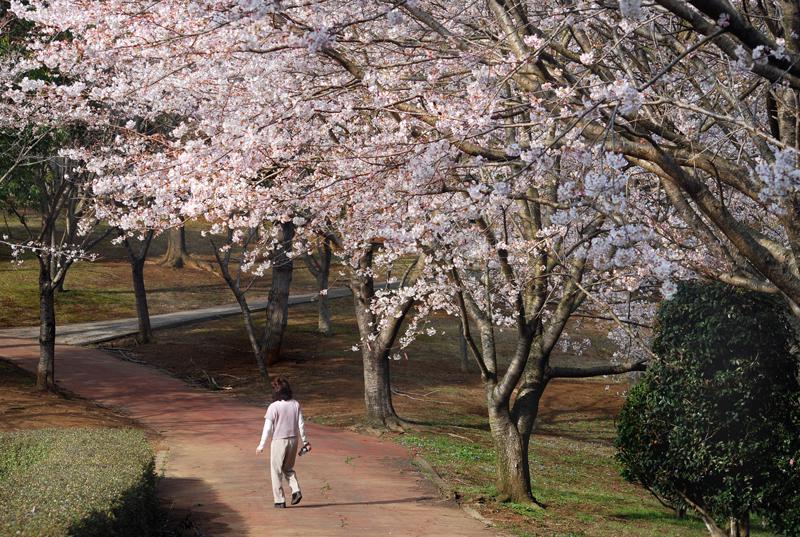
(526, 410)
(711, 525)
(177, 256)
(375, 347)
(324, 323)
(142, 310)
(513, 481)
(278, 305)
(735, 527)
(462, 353)
(45, 372)
(380, 411)
(257, 345)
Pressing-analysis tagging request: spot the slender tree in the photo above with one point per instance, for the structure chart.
(319, 266)
(137, 258)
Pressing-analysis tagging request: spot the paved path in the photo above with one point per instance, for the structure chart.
(100, 331)
(353, 485)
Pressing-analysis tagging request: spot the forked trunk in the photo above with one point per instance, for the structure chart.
(278, 305)
(45, 372)
(526, 409)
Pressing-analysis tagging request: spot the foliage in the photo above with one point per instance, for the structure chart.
(716, 420)
(81, 482)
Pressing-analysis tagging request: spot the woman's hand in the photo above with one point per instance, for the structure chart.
(260, 448)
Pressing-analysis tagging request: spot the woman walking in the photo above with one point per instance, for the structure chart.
(285, 420)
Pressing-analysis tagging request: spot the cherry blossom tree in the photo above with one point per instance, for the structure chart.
(539, 158)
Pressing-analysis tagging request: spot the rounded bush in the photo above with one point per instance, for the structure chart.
(715, 423)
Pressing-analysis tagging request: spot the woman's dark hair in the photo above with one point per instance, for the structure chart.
(281, 391)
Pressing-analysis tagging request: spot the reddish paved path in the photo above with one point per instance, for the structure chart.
(352, 485)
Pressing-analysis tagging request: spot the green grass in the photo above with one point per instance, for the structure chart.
(78, 482)
(578, 481)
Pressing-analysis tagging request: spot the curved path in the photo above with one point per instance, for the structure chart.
(353, 485)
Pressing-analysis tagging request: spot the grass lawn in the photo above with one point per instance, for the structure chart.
(573, 468)
(102, 289)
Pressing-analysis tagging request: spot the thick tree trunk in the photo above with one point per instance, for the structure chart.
(375, 348)
(513, 481)
(45, 372)
(324, 324)
(278, 305)
(142, 310)
(177, 256)
(378, 389)
(321, 269)
(526, 410)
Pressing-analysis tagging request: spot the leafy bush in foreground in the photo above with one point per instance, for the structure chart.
(715, 423)
(79, 482)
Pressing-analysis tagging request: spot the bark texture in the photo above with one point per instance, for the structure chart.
(45, 371)
(137, 260)
(278, 305)
(377, 338)
(320, 267)
(177, 256)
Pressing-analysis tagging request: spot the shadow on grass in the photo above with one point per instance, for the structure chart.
(445, 423)
(657, 516)
(133, 514)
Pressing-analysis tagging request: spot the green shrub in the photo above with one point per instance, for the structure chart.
(715, 422)
(78, 482)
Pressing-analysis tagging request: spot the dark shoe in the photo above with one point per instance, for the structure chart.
(296, 497)
(282, 504)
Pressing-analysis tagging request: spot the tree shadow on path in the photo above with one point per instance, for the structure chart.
(202, 516)
(376, 502)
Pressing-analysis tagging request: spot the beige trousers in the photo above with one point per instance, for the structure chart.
(283, 453)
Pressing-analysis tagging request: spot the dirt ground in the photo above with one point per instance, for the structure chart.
(430, 387)
(23, 407)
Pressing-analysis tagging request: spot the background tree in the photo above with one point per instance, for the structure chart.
(137, 255)
(58, 233)
(715, 423)
(278, 300)
(224, 254)
(177, 255)
(319, 265)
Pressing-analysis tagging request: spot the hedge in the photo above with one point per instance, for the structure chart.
(77, 482)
